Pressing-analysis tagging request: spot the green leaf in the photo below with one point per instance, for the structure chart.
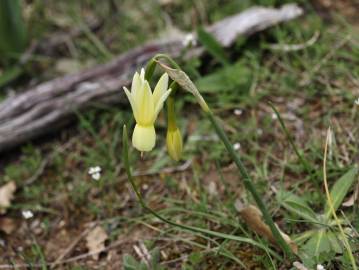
(303, 237)
(340, 190)
(322, 246)
(155, 259)
(130, 263)
(297, 205)
(233, 77)
(12, 29)
(335, 243)
(9, 75)
(212, 46)
(318, 244)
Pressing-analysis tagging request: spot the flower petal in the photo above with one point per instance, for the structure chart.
(160, 88)
(160, 102)
(142, 74)
(145, 105)
(132, 102)
(136, 83)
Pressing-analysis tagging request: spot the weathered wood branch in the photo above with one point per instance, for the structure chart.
(47, 106)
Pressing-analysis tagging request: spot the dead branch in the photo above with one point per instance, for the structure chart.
(49, 105)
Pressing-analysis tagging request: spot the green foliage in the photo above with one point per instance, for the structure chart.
(212, 46)
(236, 77)
(9, 75)
(340, 190)
(130, 263)
(325, 240)
(297, 205)
(13, 37)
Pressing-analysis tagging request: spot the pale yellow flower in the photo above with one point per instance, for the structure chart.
(174, 143)
(145, 107)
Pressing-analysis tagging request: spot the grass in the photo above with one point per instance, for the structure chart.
(311, 88)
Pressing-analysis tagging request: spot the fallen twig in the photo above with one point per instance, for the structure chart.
(295, 47)
(49, 106)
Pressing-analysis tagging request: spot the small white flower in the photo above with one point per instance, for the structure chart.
(320, 267)
(96, 169)
(237, 146)
(189, 40)
(27, 214)
(237, 112)
(259, 131)
(96, 176)
(357, 101)
(274, 116)
(95, 172)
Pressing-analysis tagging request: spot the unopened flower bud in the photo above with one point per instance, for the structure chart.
(174, 143)
(174, 137)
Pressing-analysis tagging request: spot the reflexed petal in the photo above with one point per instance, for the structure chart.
(144, 138)
(132, 102)
(145, 105)
(142, 74)
(136, 83)
(160, 88)
(160, 102)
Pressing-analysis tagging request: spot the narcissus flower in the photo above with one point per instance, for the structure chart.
(145, 107)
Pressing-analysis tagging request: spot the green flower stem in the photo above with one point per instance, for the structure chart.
(178, 225)
(150, 69)
(166, 57)
(185, 82)
(174, 87)
(250, 186)
(171, 118)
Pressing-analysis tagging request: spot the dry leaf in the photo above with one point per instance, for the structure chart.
(253, 218)
(299, 266)
(95, 241)
(212, 189)
(6, 195)
(350, 202)
(7, 225)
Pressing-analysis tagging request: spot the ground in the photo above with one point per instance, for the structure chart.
(312, 88)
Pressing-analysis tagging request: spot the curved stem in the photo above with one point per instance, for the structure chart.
(183, 80)
(168, 58)
(250, 186)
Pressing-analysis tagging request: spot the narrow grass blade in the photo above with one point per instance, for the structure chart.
(12, 28)
(304, 162)
(9, 75)
(212, 46)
